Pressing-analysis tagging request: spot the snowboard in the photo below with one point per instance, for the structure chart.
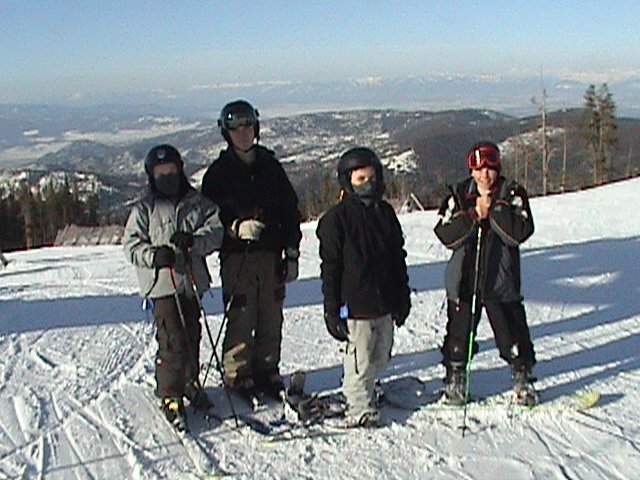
(577, 401)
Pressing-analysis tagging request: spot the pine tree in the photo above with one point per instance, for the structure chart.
(35, 217)
(600, 129)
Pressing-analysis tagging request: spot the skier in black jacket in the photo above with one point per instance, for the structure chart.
(500, 209)
(259, 254)
(364, 279)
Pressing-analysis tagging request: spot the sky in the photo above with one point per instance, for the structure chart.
(70, 50)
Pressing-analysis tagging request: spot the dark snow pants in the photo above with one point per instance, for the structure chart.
(253, 283)
(509, 324)
(174, 367)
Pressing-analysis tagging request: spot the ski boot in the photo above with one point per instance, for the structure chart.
(271, 384)
(524, 392)
(250, 392)
(296, 384)
(454, 390)
(174, 411)
(295, 393)
(378, 394)
(295, 397)
(369, 419)
(197, 397)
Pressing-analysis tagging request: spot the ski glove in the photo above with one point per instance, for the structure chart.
(401, 314)
(249, 229)
(290, 265)
(337, 327)
(182, 240)
(164, 257)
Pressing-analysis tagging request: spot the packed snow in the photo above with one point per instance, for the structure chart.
(77, 354)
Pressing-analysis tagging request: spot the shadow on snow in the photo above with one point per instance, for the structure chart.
(601, 275)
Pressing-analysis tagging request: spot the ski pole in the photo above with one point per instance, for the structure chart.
(188, 338)
(227, 306)
(176, 297)
(203, 313)
(472, 325)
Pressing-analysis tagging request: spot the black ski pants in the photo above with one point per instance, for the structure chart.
(509, 324)
(175, 367)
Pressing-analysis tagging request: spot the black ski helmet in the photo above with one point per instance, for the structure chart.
(356, 158)
(236, 113)
(164, 153)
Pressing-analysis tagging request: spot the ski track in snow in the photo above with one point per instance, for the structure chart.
(77, 353)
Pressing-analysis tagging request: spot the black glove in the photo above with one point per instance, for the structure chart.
(164, 257)
(289, 269)
(401, 315)
(182, 240)
(337, 327)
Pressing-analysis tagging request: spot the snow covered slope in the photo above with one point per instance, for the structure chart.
(76, 366)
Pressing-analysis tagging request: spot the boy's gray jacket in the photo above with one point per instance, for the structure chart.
(152, 222)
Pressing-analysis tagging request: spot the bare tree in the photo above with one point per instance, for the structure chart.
(524, 151)
(542, 108)
(563, 182)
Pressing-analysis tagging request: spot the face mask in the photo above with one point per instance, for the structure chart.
(168, 185)
(364, 190)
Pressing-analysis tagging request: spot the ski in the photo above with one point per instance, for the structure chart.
(255, 424)
(194, 448)
(303, 434)
(296, 411)
(579, 401)
(323, 414)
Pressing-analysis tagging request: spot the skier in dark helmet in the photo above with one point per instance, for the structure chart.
(364, 279)
(259, 255)
(167, 236)
(500, 209)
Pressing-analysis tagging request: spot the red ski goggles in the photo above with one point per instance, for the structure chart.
(481, 157)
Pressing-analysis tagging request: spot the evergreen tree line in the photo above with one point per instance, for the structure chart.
(32, 219)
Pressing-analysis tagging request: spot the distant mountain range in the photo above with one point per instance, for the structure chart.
(509, 92)
(425, 149)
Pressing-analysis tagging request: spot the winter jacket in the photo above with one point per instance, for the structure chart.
(152, 222)
(363, 260)
(510, 223)
(260, 190)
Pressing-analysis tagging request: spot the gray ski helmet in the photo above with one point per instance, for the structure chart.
(164, 153)
(236, 114)
(356, 158)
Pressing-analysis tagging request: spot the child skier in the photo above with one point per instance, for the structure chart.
(364, 279)
(484, 220)
(259, 255)
(167, 236)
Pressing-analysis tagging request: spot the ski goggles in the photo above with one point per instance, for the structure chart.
(484, 156)
(233, 121)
